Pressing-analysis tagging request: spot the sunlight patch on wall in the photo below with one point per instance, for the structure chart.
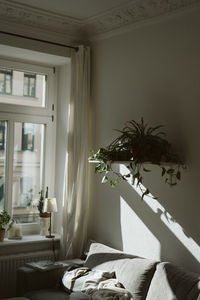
(136, 237)
(166, 218)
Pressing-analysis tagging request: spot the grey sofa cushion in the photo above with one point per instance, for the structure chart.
(135, 273)
(172, 283)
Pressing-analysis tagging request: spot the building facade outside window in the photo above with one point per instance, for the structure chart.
(5, 81)
(2, 135)
(28, 136)
(27, 141)
(29, 85)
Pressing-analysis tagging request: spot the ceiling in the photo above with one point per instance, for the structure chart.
(81, 20)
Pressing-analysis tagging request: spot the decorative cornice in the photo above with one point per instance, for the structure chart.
(37, 18)
(134, 12)
(42, 21)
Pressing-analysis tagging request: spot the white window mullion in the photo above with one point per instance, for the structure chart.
(9, 165)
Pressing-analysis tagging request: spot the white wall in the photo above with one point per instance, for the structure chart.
(152, 71)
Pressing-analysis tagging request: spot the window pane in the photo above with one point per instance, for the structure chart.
(3, 130)
(8, 79)
(22, 88)
(32, 87)
(27, 170)
(2, 88)
(25, 86)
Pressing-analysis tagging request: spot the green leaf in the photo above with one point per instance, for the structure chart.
(104, 179)
(113, 183)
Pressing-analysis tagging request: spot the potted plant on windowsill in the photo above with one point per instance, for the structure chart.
(41, 204)
(5, 223)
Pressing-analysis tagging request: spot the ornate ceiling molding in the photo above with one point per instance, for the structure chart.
(15, 15)
(18, 14)
(136, 11)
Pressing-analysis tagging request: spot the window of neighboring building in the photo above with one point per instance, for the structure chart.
(29, 85)
(27, 143)
(28, 136)
(22, 87)
(2, 135)
(5, 81)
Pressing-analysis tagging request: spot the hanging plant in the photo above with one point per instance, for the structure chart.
(137, 145)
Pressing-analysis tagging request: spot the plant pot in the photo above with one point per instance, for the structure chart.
(45, 215)
(44, 223)
(2, 234)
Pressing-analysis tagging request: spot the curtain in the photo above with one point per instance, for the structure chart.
(76, 199)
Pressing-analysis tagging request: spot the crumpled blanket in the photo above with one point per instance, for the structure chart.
(78, 278)
(97, 284)
(108, 289)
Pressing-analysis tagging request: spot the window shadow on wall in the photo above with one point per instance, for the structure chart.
(171, 247)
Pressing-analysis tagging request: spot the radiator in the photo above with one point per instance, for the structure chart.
(9, 265)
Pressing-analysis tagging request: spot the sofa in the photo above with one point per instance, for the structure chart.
(143, 278)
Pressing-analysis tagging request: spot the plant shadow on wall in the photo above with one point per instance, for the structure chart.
(137, 145)
(175, 245)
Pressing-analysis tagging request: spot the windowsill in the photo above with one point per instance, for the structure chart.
(34, 238)
(28, 243)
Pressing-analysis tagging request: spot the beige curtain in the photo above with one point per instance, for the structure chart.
(76, 200)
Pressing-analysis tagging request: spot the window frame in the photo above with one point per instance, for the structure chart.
(37, 115)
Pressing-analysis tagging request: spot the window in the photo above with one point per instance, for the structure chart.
(28, 136)
(28, 168)
(5, 81)
(21, 87)
(29, 85)
(2, 135)
(27, 142)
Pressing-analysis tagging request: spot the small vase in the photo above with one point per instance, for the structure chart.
(44, 223)
(2, 234)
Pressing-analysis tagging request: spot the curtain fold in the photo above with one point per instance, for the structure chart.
(76, 195)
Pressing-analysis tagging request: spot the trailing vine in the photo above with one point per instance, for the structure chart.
(137, 145)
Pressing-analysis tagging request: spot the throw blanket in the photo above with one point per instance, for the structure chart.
(96, 283)
(107, 289)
